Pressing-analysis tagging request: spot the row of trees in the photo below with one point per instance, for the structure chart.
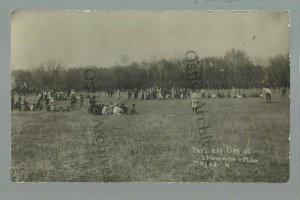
(234, 69)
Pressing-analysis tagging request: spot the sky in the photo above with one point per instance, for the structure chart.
(106, 38)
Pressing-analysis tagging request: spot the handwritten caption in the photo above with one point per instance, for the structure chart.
(225, 156)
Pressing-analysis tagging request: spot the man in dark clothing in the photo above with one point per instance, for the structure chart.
(26, 106)
(112, 92)
(47, 100)
(12, 102)
(132, 110)
(136, 94)
(81, 100)
(124, 108)
(73, 101)
(268, 94)
(92, 104)
(129, 94)
(39, 105)
(283, 94)
(19, 102)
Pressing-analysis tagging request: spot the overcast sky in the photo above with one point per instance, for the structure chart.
(104, 38)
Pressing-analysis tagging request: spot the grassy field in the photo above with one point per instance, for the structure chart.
(154, 146)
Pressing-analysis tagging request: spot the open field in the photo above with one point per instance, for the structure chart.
(157, 145)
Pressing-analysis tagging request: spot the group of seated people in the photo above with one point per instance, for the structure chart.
(237, 95)
(104, 109)
(39, 107)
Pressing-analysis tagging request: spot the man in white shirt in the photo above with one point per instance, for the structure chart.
(268, 94)
(117, 110)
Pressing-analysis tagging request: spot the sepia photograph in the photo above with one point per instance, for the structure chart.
(150, 96)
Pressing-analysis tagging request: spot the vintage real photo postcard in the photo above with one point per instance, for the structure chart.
(150, 96)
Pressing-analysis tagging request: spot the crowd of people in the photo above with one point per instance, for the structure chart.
(46, 100)
(46, 97)
(43, 103)
(111, 109)
(158, 93)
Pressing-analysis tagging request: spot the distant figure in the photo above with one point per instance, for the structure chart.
(132, 110)
(118, 94)
(18, 104)
(23, 101)
(142, 95)
(136, 94)
(233, 92)
(203, 94)
(26, 105)
(73, 101)
(92, 104)
(39, 105)
(268, 94)
(283, 93)
(129, 93)
(12, 102)
(222, 95)
(81, 100)
(160, 96)
(47, 100)
(33, 107)
(194, 101)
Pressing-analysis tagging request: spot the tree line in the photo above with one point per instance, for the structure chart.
(234, 69)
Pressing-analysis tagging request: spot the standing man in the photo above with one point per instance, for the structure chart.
(23, 100)
(73, 101)
(194, 101)
(283, 94)
(203, 94)
(129, 94)
(47, 100)
(12, 102)
(118, 95)
(233, 92)
(92, 104)
(81, 100)
(268, 94)
(136, 94)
